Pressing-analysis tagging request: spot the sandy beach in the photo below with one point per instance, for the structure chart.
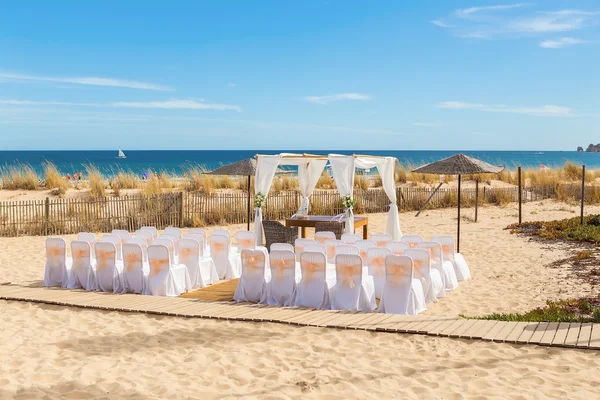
(47, 351)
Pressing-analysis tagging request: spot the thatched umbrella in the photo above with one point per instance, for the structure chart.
(246, 167)
(458, 164)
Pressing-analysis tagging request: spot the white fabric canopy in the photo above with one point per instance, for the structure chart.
(343, 174)
(266, 167)
(309, 172)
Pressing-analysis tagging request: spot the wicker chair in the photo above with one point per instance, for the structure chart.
(275, 232)
(336, 227)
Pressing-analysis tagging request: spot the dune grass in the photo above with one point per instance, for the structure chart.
(566, 229)
(55, 180)
(21, 176)
(96, 182)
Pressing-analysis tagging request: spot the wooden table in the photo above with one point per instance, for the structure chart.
(311, 221)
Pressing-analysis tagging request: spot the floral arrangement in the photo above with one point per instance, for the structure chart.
(259, 200)
(348, 201)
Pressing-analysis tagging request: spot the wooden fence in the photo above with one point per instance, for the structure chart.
(66, 216)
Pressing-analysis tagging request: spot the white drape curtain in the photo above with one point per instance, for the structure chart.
(308, 176)
(343, 174)
(266, 167)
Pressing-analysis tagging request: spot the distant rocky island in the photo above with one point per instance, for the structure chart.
(592, 148)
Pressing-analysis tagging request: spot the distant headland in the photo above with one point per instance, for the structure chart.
(592, 148)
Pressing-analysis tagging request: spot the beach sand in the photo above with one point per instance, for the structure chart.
(51, 350)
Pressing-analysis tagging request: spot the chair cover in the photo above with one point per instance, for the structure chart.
(83, 271)
(245, 240)
(150, 229)
(350, 238)
(381, 240)
(174, 231)
(146, 235)
(58, 269)
(348, 293)
(281, 289)
(402, 293)
(363, 246)
(91, 239)
(252, 286)
(201, 232)
(109, 270)
(461, 268)
(321, 237)
(175, 240)
(222, 232)
(430, 278)
(202, 270)
(330, 246)
(139, 240)
(227, 267)
(376, 267)
(346, 249)
(123, 234)
(135, 279)
(164, 278)
(117, 241)
(411, 240)
(299, 245)
(167, 241)
(315, 248)
(282, 246)
(312, 290)
(437, 261)
(397, 247)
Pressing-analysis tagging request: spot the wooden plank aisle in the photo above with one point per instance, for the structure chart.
(574, 335)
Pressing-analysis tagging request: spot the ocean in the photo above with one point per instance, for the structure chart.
(176, 162)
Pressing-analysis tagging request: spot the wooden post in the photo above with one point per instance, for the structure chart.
(248, 202)
(458, 222)
(582, 193)
(180, 201)
(520, 193)
(47, 215)
(476, 197)
(429, 199)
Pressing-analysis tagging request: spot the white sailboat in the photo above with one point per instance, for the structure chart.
(121, 154)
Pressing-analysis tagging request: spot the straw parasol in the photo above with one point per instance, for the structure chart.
(459, 164)
(246, 167)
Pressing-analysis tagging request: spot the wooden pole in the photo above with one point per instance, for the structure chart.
(458, 223)
(520, 193)
(582, 193)
(429, 199)
(476, 197)
(248, 202)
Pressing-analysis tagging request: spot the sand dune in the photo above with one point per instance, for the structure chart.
(48, 351)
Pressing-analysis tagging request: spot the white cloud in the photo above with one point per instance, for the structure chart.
(169, 104)
(539, 111)
(560, 43)
(93, 81)
(337, 97)
(514, 20)
(427, 124)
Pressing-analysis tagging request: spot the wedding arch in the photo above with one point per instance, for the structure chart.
(310, 168)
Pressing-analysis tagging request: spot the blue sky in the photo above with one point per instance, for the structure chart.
(342, 74)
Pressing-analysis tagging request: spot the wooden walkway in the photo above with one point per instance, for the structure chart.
(572, 335)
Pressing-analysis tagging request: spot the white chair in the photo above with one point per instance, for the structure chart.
(312, 291)
(376, 266)
(200, 239)
(222, 232)
(461, 268)
(166, 241)
(91, 239)
(171, 230)
(201, 269)
(397, 247)
(281, 289)
(411, 240)
(299, 245)
(245, 240)
(58, 269)
(165, 278)
(219, 252)
(350, 238)
(117, 241)
(139, 240)
(252, 286)
(316, 248)
(123, 234)
(431, 279)
(381, 239)
(150, 229)
(322, 237)
(363, 246)
(282, 246)
(437, 261)
(348, 292)
(402, 293)
(83, 272)
(330, 246)
(109, 270)
(175, 241)
(200, 232)
(146, 235)
(134, 277)
(346, 249)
